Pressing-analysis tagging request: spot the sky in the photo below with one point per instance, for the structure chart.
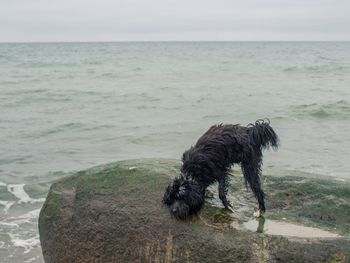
(174, 20)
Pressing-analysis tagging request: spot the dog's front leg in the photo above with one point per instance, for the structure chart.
(223, 189)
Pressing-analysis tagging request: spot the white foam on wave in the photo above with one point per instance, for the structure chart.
(10, 224)
(27, 244)
(25, 218)
(7, 205)
(22, 230)
(18, 191)
(32, 259)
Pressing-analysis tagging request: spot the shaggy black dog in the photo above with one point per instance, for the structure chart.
(210, 160)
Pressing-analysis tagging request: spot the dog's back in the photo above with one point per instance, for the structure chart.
(260, 135)
(225, 144)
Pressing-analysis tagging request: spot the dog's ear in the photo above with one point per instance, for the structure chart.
(195, 196)
(168, 195)
(172, 190)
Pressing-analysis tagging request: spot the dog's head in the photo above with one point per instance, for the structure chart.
(184, 197)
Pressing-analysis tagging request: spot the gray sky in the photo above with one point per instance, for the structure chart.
(188, 20)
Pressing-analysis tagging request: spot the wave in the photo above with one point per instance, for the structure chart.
(18, 196)
(18, 191)
(20, 225)
(326, 68)
(45, 65)
(20, 235)
(26, 243)
(63, 128)
(7, 205)
(339, 108)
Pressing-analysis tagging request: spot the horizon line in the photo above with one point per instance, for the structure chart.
(165, 41)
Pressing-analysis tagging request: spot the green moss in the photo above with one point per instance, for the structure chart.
(118, 206)
(116, 180)
(53, 203)
(338, 258)
(222, 217)
(325, 202)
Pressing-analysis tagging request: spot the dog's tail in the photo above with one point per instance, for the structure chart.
(262, 135)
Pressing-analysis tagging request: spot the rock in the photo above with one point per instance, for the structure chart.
(113, 213)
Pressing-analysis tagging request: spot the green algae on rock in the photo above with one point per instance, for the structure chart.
(114, 213)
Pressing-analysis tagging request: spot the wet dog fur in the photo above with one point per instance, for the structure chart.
(210, 160)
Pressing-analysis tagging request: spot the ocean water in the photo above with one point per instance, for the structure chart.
(69, 106)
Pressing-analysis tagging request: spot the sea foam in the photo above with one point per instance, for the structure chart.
(18, 191)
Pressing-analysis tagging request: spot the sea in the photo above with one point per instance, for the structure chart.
(65, 107)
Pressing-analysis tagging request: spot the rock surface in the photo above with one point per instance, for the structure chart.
(113, 213)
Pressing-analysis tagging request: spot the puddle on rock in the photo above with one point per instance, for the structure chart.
(272, 227)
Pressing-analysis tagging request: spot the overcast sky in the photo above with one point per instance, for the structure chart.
(180, 20)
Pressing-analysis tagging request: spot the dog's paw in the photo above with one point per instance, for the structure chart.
(228, 209)
(257, 213)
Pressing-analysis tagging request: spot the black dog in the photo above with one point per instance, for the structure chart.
(210, 160)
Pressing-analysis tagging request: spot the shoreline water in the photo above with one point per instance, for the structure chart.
(67, 107)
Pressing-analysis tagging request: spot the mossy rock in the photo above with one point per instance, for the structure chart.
(114, 213)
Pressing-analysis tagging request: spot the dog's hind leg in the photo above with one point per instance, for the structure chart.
(223, 189)
(251, 172)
